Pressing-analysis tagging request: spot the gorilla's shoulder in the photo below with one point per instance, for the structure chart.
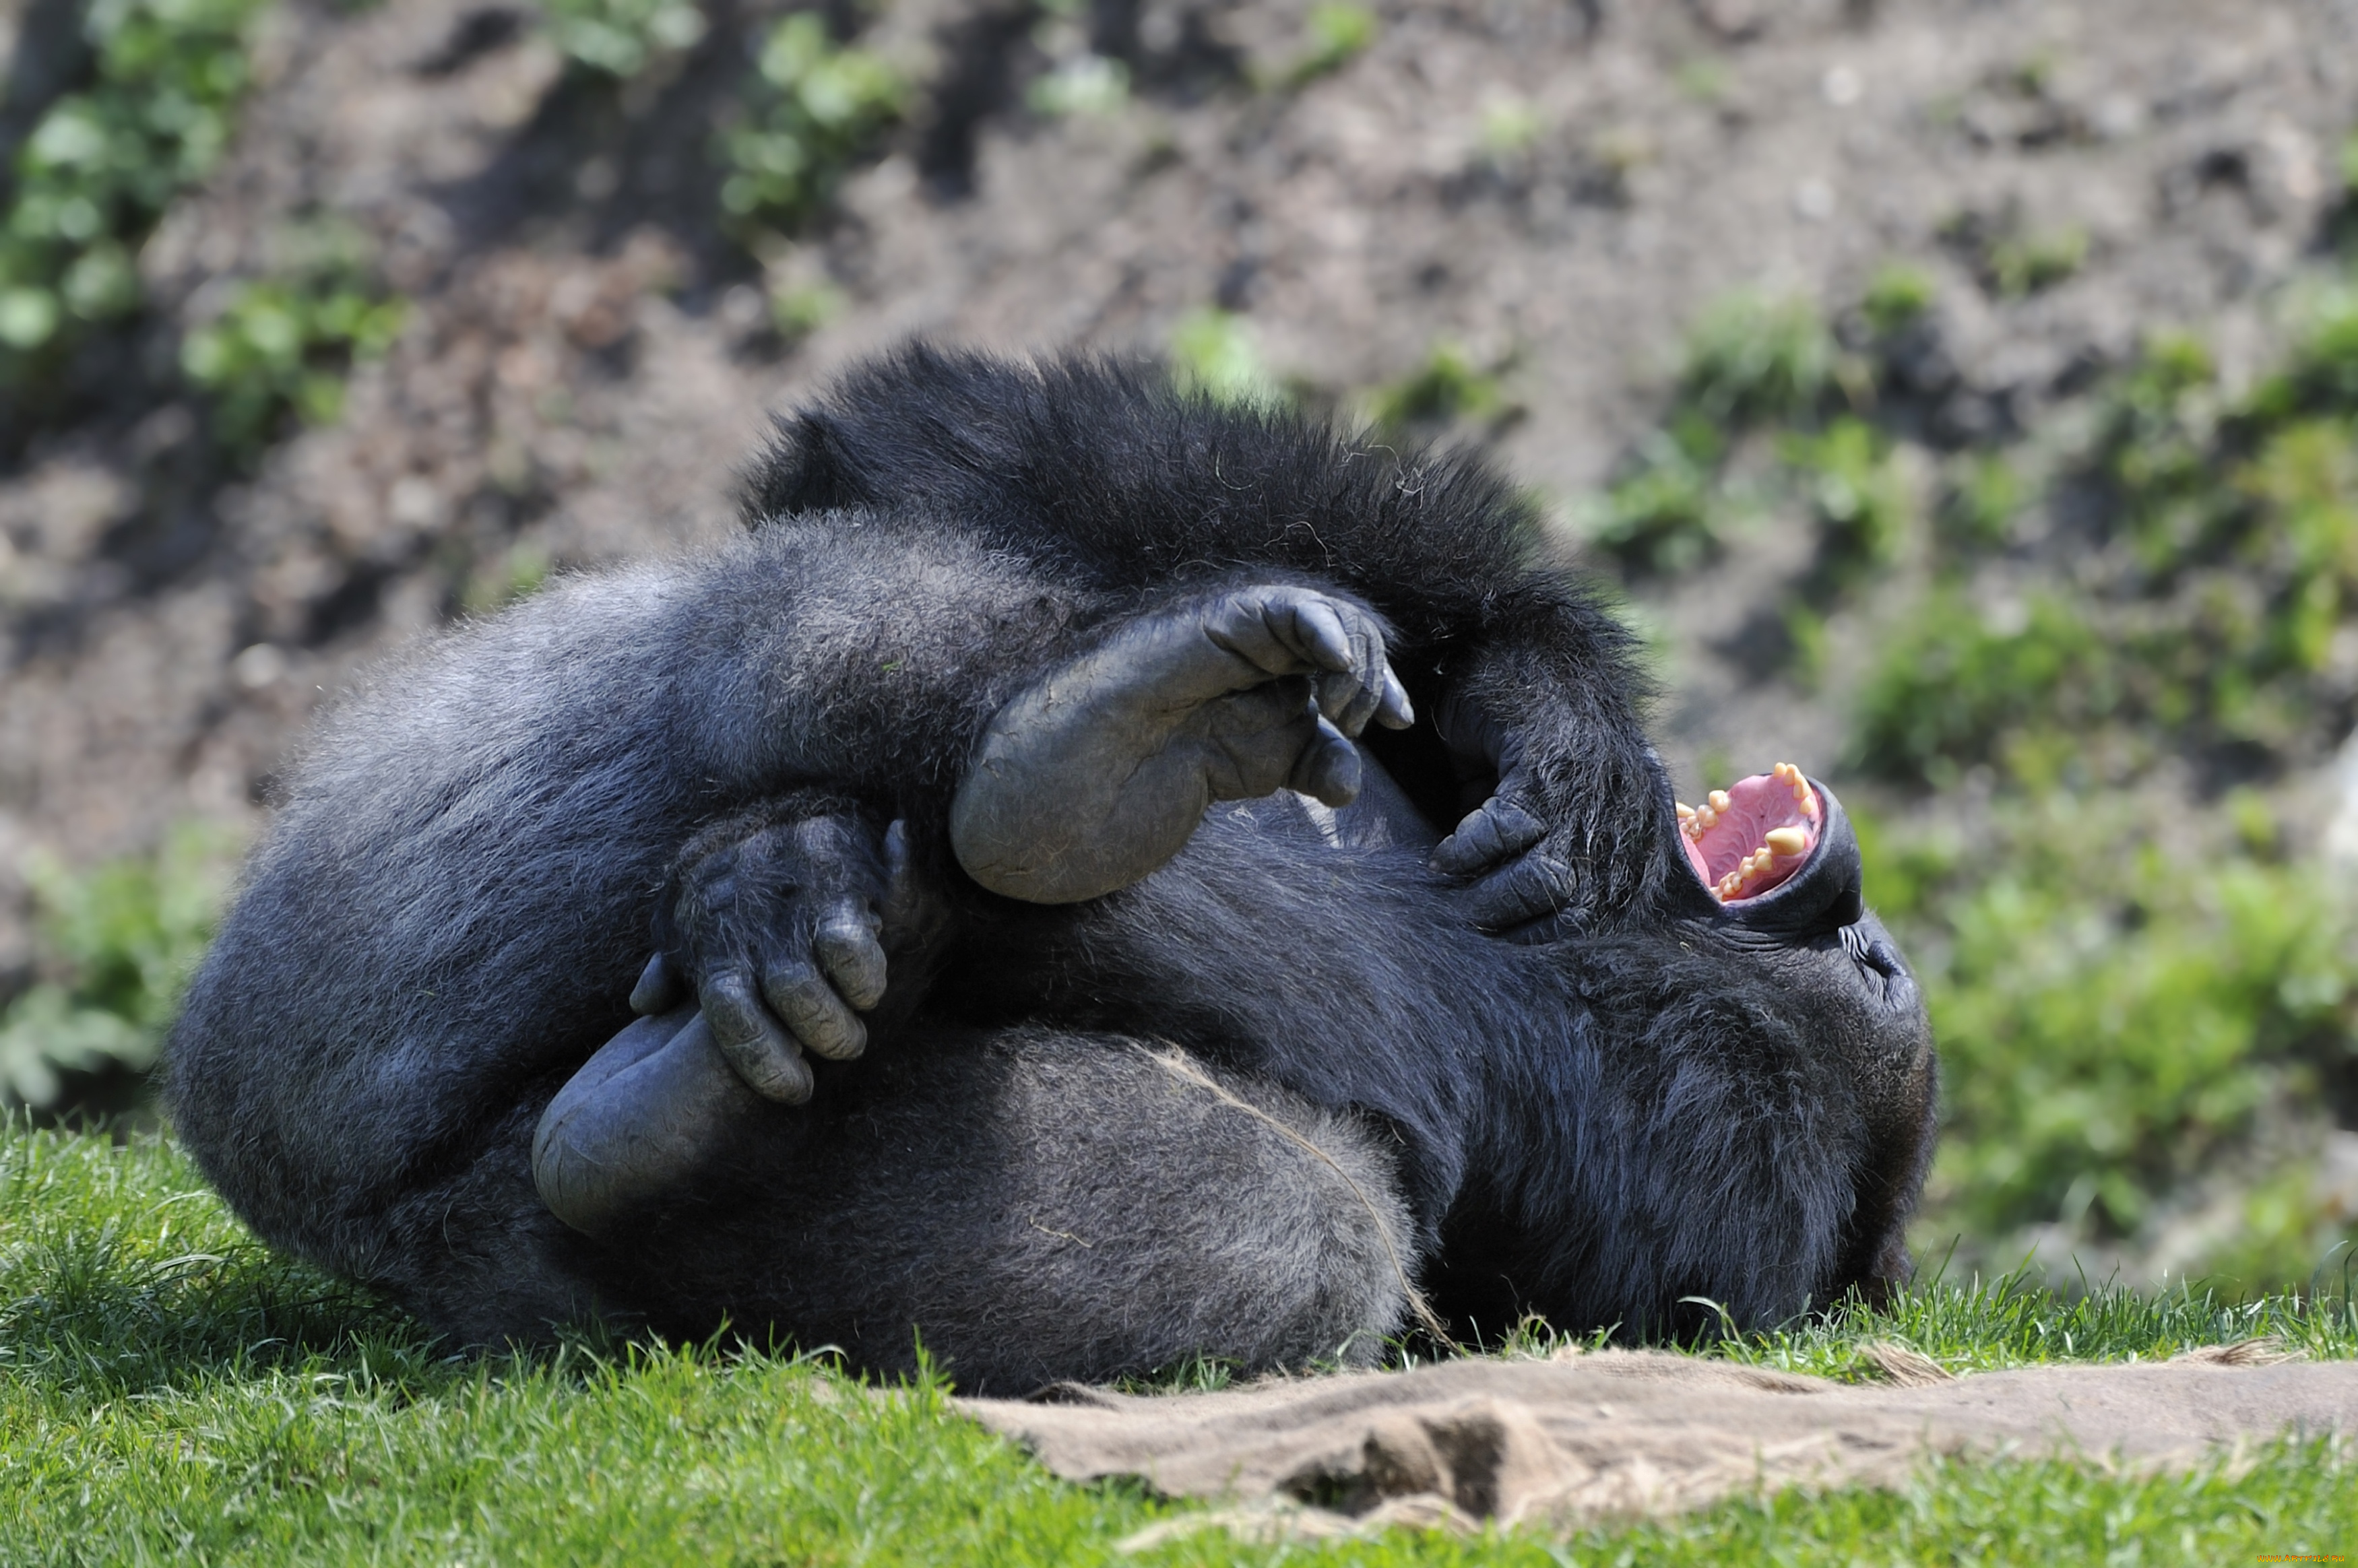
(1105, 465)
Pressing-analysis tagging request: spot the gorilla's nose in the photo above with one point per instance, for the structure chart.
(1825, 894)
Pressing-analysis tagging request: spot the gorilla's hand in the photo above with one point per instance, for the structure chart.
(1523, 871)
(1097, 774)
(772, 916)
(1558, 839)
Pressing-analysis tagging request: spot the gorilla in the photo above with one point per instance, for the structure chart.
(1127, 878)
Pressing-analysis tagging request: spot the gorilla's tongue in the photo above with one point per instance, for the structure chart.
(1746, 838)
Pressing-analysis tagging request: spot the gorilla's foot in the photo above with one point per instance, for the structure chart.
(1097, 774)
(641, 1120)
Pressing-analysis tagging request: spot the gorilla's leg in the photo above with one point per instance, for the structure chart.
(1097, 775)
(1034, 1206)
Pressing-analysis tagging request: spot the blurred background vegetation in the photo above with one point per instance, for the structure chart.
(2081, 649)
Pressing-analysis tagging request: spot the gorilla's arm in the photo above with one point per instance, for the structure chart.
(1562, 831)
(1104, 470)
(460, 889)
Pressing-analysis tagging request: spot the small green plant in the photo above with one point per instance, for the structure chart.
(282, 345)
(1897, 296)
(1752, 358)
(622, 38)
(799, 309)
(98, 169)
(1509, 125)
(2019, 264)
(1855, 492)
(1084, 85)
(116, 945)
(517, 572)
(816, 107)
(2115, 1008)
(1955, 686)
(1448, 389)
(1214, 354)
(1335, 34)
(1703, 79)
(1982, 499)
(1663, 515)
(2321, 374)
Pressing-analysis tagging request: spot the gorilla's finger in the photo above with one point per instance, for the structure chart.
(658, 990)
(751, 1041)
(1490, 832)
(848, 950)
(1532, 888)
(1347, 702)
(1328, 768)
(1256, 628)
(1395, 711)
(799, 994)
(1318, 632)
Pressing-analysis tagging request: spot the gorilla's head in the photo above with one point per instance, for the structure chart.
(1757, 942)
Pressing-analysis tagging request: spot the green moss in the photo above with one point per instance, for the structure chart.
(2241, 522)
(1706, 78)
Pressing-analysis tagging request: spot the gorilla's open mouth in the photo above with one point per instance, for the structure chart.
(1747, 838)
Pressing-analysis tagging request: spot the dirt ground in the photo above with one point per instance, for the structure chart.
(1554, 188)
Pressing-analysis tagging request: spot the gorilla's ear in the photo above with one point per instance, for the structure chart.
(802, 469)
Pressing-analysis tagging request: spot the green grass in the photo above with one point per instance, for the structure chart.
(169, 1391)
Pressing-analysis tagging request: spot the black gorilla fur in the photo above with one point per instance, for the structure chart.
(1225, 1109)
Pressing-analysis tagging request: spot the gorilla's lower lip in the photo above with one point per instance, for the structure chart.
(1747, 838)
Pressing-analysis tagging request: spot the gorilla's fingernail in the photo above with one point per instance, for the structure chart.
(654, 992)
(1397, 711)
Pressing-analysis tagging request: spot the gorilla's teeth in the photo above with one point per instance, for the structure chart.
(1718, 798)
(1796, 781)
(1787, 842)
